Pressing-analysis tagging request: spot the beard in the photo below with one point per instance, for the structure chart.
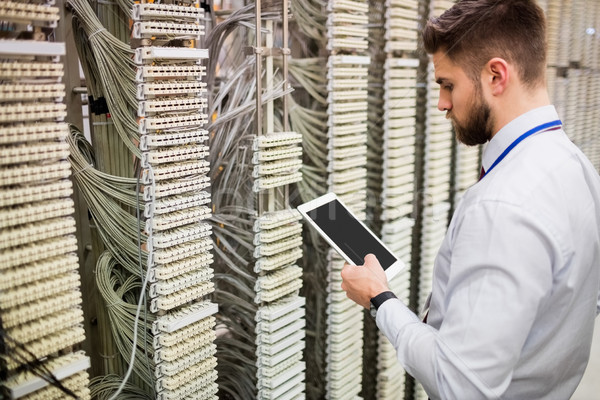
(477, 129)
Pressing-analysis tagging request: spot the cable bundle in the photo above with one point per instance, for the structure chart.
(41, 319)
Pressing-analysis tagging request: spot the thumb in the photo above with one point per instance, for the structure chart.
(373, 265)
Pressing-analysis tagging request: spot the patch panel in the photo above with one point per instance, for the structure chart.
(29, 213)
(150, 90)
(26, 153)
(174, 237)
(269, 182)
(23, 174)
(266, 327)
(181, 121)
(356, 106)
(21, 112)
(174, 359)
(269, 249)
(21, 69)
(275, 219)
(279, 292)
(281, 346)
(277, 168)
(180, 252)
(38, 231)
(168, 302)
(290, 389)
(176, 170)
(276, 140)
(171, 270)
(347, 175)
(33, 133)
(77, 383)
(350, 5)
(340, 119)
(179, 104)
(152, 29)
(30, 253)
(341, 18)
(53, 344)
(21, 92)
(270, 372)
(196, 328)
(348, 129)
(279, 233)
(172, 322)
(273, 337)
(200, 391)
(38, 15)
(180, 282)
(166, 11)
(278, 278)
(345, 141)
(149, 73)
(46, 326)
(167, 139)
(175, 187)
(200, 369)
(61, 367)
(46, 268)
(179, 218)
(343, 164)
(276, 153)
(176, 203)
(38, 290)
(268, 361)
(277, 261)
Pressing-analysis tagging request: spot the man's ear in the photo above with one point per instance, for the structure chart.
(496, 74)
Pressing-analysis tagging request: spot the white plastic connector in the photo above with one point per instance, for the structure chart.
(148, 73)
(272, 235)
(176, 203)
(170, 88)
(166, 11)
(179, 104)
(168, 139)
(277, 261)
(177, 253)
(147, 54)
(183, 317)
(151, 29)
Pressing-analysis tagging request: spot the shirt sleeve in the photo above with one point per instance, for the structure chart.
(501, 269)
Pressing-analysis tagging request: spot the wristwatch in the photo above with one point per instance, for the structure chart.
(378, 300)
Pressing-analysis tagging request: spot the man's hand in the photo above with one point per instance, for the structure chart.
(363, 282)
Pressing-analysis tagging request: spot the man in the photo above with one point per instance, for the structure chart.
(517, 278)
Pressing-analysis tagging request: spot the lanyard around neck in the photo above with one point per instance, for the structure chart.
(539, 128)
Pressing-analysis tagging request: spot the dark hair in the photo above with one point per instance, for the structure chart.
(473, 32)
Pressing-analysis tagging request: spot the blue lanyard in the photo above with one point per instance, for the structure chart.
(518, 140)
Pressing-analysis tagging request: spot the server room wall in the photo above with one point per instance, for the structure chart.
(152, 154)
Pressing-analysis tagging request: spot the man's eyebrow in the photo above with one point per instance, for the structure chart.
(440, 80)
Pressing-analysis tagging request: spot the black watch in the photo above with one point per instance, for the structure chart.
(378, 300)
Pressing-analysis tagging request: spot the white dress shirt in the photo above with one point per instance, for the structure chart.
(516, 283)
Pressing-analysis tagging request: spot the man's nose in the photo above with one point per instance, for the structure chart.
(444, 103)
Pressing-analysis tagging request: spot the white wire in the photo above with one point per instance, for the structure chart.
(137, 315)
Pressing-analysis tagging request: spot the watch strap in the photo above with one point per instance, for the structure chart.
(381, 298)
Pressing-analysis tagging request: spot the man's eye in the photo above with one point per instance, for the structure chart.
(449, 87)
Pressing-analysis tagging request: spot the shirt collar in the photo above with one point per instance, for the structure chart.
(515, 128)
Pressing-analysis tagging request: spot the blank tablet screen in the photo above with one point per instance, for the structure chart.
(349, 234)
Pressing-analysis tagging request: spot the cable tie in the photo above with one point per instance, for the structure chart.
(95, 33)
(82, 170)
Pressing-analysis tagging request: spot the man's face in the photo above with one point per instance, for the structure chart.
(463, 102)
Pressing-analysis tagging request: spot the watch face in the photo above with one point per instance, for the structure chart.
(373, 311)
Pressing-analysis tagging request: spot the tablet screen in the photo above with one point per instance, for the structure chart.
(349, 234)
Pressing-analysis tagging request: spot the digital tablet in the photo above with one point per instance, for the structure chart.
(346, 234)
